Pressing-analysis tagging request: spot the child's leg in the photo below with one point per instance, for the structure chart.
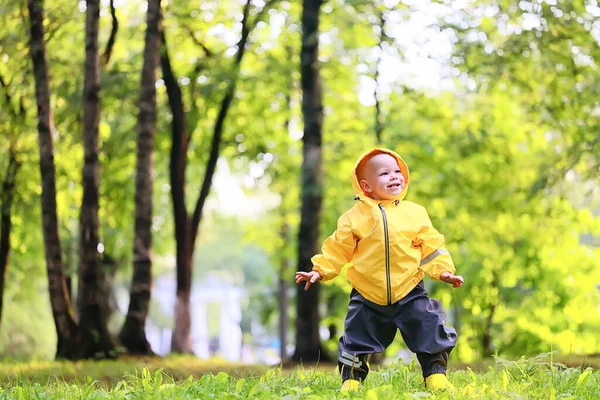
(366, 331)
(421, 321)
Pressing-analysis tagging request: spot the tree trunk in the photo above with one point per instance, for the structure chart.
(285, 230)
(8, 187)
(66, 328)
(132, 335)
(96, 340)
(379, 126)
(186, 229)
(109, 303)
(308, 344)
(181, 340)
(486, 337)
(283, 296)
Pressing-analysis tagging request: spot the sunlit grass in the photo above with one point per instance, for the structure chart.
(109, 372)
(189, 378)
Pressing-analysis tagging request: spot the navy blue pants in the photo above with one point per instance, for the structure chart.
(371, 328)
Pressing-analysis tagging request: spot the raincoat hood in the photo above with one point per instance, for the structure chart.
(403, 168)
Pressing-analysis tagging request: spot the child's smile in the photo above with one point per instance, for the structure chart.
(395, 188)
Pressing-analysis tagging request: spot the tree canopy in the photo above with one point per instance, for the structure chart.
(493, 105)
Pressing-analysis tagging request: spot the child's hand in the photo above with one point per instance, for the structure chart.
(454, 280)
(310, 278)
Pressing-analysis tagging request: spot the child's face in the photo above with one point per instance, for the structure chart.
(381, 177)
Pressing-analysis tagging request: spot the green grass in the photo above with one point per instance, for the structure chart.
(188, 378)
(107, 373)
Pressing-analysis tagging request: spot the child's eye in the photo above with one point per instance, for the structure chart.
(397, 171)
(384, 173)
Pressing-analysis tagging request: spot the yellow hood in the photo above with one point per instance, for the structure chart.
(403, 168)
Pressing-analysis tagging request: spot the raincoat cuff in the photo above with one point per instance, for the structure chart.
(324, 276)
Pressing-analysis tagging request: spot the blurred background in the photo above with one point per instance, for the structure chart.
(261, 111)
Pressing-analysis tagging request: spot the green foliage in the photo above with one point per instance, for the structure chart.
(26, 332)
(529, 139)
(544, 55)
(506, 163)
(476, 181)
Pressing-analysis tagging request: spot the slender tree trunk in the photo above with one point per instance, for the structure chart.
(66, 328)
(283, 287)
(456, 312)
(486, 337)
(186, 228)
(379, 126)
(308, 344)
(132, 335)
(71, 264)
(108, 264)
(8, 187)
(181, 340)
(110, 44)
(96, 340)
(285, 230)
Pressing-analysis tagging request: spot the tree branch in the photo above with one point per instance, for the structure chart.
(113, 35)
(219, 124)
(207, 51)
(178, 161)
(173, 90)
(378, 118)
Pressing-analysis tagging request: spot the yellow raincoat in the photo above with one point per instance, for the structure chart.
(391, 244)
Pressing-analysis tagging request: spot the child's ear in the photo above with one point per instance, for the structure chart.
(364, 185)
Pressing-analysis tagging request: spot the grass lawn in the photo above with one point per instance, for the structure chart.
(184, 377)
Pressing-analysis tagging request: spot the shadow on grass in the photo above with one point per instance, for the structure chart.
(107, 373)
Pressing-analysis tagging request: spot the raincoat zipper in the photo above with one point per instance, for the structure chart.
(387, 255)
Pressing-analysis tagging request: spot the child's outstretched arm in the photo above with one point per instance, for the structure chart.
(435, 259)
(337, 251)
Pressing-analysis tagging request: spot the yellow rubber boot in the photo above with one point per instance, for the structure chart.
(350, 385)
(437, 382)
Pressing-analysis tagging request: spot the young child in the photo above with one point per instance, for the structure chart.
(391, 244)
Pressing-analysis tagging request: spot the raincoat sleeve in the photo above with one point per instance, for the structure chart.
(337, 250)
(435, 259)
